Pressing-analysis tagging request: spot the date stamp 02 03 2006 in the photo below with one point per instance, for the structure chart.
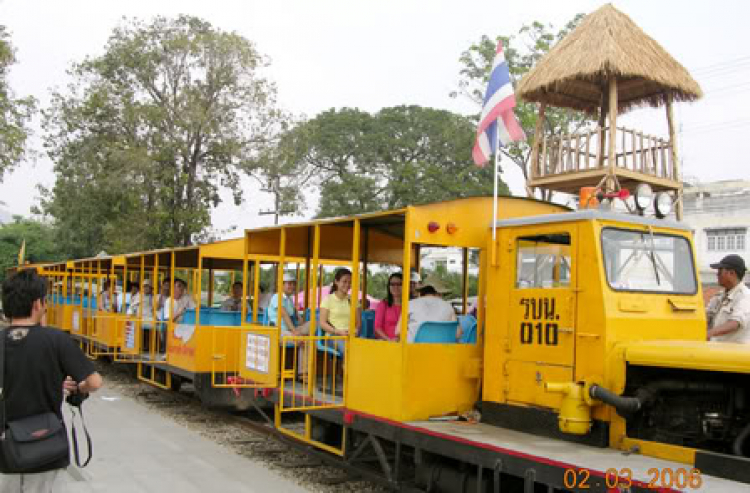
(665, 477)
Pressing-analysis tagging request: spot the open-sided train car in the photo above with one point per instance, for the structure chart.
(590, 368)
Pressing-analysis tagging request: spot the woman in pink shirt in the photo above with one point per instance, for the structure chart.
(389, 310)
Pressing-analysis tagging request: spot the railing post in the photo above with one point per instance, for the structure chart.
(612, 124)
(673, 154)
(538, 138)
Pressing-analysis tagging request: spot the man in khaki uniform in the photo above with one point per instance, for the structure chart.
(728, 312)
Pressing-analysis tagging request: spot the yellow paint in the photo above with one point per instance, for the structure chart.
(434, 382)
(575, 413)
(376, 367)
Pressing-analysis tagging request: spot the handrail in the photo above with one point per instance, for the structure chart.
(634, 151)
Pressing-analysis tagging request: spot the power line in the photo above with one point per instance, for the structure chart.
(723, 122)
(715, 127)
(721, 66)
(727, 88)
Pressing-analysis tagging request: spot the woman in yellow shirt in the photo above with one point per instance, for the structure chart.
(334, 309)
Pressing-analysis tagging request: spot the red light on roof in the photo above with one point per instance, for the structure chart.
(432, 226)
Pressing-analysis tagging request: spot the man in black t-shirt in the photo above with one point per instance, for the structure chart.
(40, 362)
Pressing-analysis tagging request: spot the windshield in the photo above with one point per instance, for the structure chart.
(645, 261)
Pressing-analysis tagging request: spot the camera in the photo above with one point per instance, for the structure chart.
(76, 399)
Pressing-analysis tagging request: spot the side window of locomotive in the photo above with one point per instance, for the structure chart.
(543, 261)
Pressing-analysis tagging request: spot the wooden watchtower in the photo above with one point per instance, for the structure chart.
(606, 67)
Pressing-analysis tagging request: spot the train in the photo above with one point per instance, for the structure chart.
(586, 366)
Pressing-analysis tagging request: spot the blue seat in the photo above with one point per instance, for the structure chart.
(437, 332)
(367, 329)
(87, 301)
(222, 318)
(307, 314)
(249, 315)
(189, 317)
(323, 346)
(468, 328)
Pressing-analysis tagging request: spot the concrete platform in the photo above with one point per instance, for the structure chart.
(137, 450)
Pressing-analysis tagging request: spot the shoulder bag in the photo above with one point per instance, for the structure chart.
(31, 443)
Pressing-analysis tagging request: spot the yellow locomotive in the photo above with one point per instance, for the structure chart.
(589, 367)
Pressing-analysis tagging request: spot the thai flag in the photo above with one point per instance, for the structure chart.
(497, 112)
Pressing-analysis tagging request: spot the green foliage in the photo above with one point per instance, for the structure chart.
(453, 281)
(522, 51)
(397, 157)
(151, 131)
(14, 113)
(40, 244)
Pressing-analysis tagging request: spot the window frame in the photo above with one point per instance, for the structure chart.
(662, 234)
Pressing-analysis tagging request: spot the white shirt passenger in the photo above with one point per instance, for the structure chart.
(180, 305)
(426, 309)
(148, 306)
(732, 305)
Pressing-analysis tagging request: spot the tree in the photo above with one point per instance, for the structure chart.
(14, 113)
(149, 133)
(522, 51)
(399, 156)
(40, 244)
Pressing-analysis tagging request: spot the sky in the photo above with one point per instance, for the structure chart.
(373, 54)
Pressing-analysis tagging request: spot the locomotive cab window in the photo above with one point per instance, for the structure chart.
(543, 261)
(646, 261)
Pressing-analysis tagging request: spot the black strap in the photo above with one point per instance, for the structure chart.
(74, 435)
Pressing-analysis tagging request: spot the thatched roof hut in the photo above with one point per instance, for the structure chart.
(607, 45)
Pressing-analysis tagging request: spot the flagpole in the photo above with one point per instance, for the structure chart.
(493, 260)
(494, 191)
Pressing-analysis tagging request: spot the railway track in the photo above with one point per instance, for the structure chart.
(248, 434)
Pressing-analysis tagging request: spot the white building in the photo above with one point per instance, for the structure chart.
(719, 214)
(449, 259)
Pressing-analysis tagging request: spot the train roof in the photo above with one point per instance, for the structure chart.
(592, 215)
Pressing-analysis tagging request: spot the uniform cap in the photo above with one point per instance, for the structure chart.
(289, 277)
(734, 262)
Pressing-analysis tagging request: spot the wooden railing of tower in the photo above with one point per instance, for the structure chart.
(633, 150)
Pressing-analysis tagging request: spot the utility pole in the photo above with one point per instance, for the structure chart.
(274, 187)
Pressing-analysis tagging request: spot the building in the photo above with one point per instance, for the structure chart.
(449, 260)
(719, 214)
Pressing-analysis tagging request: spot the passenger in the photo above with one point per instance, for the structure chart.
(728, 312)
(147, 300)
(40, 363)
(182, 301)
(334, 309)
(389, 310)
(429, 307)
(142, 306)
(123, 299)
(289, 316)
(234, 302)
(163, 294)
(264, 297)
(289, 320)
(105, 297)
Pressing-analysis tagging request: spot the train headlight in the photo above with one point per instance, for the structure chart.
(663, 205)
(644, 196)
